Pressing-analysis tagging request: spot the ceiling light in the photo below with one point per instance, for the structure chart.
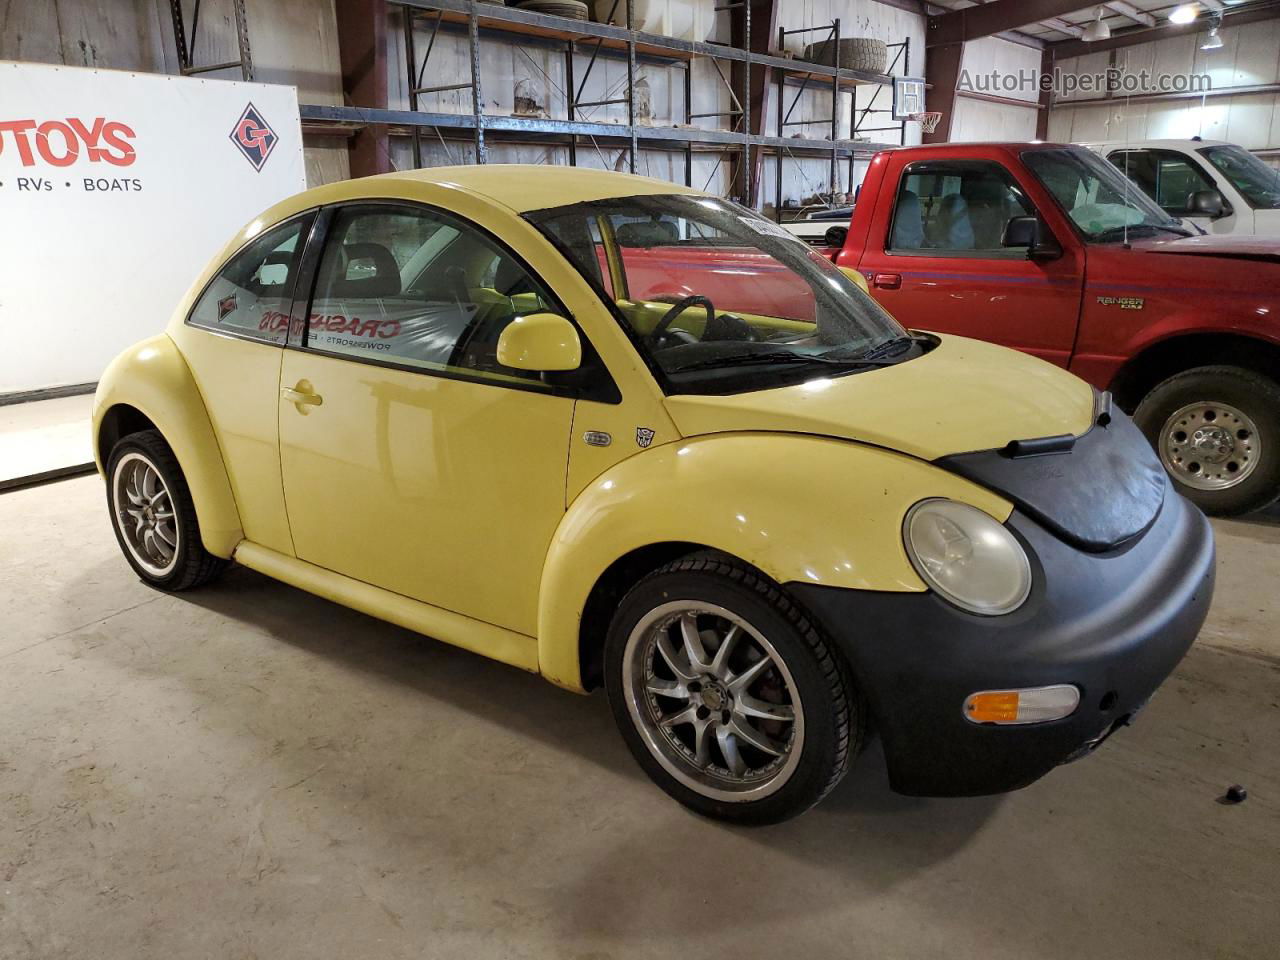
(1097, 30)
(1214, 42)
(1185, 13)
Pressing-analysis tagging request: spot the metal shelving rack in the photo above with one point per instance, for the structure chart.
(489, 21)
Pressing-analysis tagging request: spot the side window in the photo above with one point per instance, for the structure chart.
(1166, 176)
(421, 288)
(960, 207)
(252, 294)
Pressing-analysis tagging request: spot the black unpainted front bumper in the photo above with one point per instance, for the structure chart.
(1114, 623)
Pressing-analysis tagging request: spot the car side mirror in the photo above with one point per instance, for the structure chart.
(858, 279)
(1207, 203)
(1030, 233)
(541, 342)
(835, 236)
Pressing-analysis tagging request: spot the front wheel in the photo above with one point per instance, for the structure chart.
(1217, 431)
(726, 693)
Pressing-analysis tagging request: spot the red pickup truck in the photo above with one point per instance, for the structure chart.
(1049, 249)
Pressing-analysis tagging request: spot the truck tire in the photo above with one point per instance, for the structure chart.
(858, 53)
(727, 694)
(153, 515)
(1217, 431)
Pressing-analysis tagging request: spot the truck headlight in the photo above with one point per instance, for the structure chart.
(966, 556)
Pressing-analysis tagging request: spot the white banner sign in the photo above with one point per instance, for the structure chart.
(115, 190)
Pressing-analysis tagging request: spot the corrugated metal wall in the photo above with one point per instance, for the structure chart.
(1250, 56)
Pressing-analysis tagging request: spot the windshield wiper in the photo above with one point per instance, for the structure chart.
(889, 347)
(1116, 233)
(780, 356)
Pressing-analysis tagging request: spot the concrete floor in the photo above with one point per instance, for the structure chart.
(249, 772)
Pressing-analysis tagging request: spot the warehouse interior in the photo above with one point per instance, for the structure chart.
(249, 769)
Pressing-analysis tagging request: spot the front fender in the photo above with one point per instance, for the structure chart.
(152, 377)
(800, 508)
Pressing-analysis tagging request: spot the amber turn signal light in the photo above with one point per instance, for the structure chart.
(1027, 705)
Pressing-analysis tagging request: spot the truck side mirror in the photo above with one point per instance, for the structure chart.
(1207, 203)
(1030, 233)
(835, 236)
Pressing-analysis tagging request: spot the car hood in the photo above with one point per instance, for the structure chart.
(962, 396)
(1265, 249)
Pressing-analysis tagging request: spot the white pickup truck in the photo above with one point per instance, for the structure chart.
(1221, 187)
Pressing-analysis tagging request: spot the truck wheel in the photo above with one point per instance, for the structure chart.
(153, 514)
(726, 693)
(1217, 431)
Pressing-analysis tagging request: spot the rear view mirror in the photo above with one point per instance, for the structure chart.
(541, 342)
(1031, 234)
(1207, 203)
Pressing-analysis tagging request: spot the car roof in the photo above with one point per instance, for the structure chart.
(517, 186)
(1165, 142)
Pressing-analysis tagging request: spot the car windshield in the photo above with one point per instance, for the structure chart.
(1259, 183)
(719, 299)
(1102, 202)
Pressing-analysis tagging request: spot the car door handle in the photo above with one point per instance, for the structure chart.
(887, 281)
(302, 394)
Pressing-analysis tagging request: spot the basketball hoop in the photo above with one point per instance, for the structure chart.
(928, 121)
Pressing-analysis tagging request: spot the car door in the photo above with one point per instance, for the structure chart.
(935, 259)
(411, 459)
(232, 342)
(1170, 177)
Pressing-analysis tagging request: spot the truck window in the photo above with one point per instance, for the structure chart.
(956, 208)
(1166, 176)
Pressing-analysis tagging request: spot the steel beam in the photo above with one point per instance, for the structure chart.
(1128, 10)
(942, 74)
(973, 23)
(362, 53)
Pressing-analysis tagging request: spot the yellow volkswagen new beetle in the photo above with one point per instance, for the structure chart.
(618, 432)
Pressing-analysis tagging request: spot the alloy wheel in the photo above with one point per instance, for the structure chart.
(713, 700)
(145, 515)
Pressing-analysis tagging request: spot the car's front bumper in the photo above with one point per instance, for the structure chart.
(1114, 624)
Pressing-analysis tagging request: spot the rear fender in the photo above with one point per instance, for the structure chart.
(800, 508)
(153, 378)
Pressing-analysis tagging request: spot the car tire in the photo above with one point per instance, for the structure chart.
(1217, 432)
(153, 516)
(735, 755)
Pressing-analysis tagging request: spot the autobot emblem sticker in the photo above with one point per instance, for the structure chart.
(254, 137)
(644, 436)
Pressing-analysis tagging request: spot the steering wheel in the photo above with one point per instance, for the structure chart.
(680, 306)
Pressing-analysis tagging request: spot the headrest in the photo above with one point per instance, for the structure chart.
(364, 270)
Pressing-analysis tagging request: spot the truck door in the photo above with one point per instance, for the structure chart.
(935, 259)
(1170, 177)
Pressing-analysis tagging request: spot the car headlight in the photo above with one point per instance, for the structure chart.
(966, 556)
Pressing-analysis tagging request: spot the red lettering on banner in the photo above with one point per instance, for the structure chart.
(44, 143)
(58, 142)
(388, 329)
(113, 134)
(19, 130)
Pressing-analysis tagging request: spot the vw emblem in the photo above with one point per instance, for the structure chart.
(644, 437)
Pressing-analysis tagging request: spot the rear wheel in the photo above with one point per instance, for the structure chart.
(153, 515)
(1217, 431)
(727, 695)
